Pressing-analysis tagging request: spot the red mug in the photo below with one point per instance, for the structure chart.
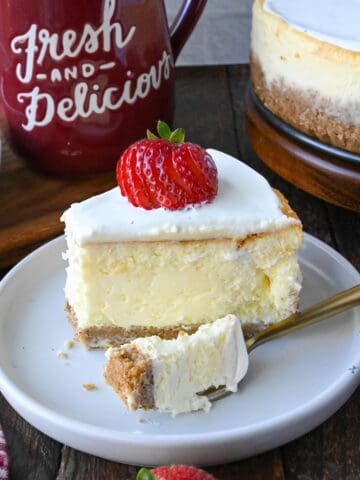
(81, 79)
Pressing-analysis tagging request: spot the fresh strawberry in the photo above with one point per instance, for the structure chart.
(166, 172)
(174, 472)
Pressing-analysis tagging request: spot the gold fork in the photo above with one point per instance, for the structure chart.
(327, 308)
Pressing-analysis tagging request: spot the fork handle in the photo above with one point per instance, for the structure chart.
(331, 306)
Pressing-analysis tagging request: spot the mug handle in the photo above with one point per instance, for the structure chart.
(184, 24)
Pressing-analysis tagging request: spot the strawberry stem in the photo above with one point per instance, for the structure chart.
(165, 133)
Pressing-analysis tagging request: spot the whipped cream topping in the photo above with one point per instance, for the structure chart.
(332, 21)
(245, 204)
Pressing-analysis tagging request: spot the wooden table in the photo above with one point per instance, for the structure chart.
(210, 107)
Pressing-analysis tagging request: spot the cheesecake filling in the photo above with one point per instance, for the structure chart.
(168, 284)
(213, 356)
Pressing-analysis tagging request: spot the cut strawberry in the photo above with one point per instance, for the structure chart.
(162, 183)
(166, 172)
(137, 186)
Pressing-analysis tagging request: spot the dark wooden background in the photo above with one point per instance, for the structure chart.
(210, 106)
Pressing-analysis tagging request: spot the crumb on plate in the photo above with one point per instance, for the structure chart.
(89, 386)
(69, 344)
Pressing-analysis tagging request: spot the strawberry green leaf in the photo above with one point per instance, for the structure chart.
(145, 474)
(177, 136)
(163, 130)
(150, 135)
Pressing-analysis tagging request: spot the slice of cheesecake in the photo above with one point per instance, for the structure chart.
(167, 375)
(134, 272)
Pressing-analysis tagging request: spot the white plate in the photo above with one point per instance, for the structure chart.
(293, 383)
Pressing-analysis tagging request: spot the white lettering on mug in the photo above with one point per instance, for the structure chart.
(37, 44)
(31, 111)
(87, 98)
(87, 70)
(85, 102)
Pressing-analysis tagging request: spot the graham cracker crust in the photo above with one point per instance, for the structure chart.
(285, 207)
(305, 111)
(129, 372)
(103, 337)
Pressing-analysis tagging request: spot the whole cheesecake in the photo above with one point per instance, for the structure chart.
(134, 272)
(305, 66)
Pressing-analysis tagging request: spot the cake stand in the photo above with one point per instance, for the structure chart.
(327, 172)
